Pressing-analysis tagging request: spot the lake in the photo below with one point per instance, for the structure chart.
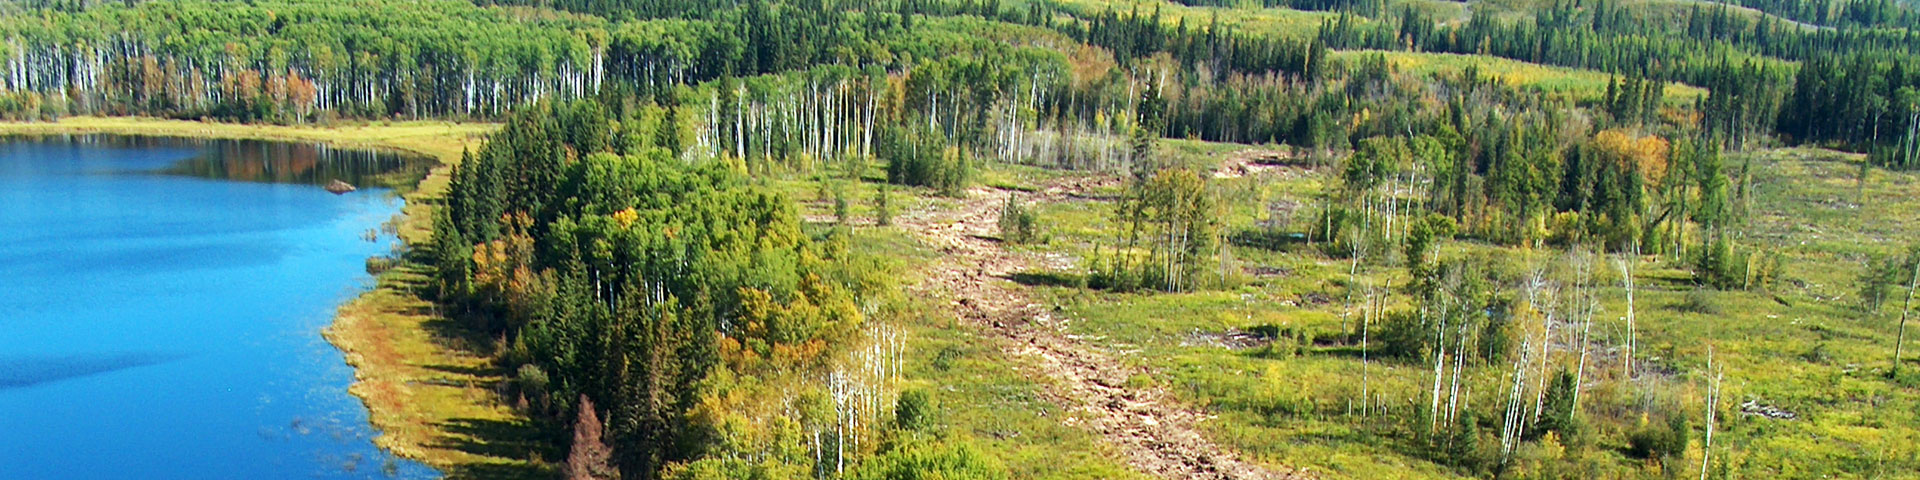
(161, 302)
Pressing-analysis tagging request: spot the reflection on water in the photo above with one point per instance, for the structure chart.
(271, 162)
(25, 372)
(256, 161)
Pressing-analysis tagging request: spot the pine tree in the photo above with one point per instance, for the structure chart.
(590, 457)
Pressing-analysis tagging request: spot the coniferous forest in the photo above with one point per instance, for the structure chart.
(984, 239)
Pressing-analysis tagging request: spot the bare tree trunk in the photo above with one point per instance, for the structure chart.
(1459, 358)
(1586, 330)
(1439, 366)
(1626, 276)
(1713, 399)
(1366, 317)
(1905, 310)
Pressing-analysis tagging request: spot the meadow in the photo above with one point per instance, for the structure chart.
(1802, 344)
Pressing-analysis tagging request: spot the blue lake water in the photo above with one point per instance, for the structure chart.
(161, 303)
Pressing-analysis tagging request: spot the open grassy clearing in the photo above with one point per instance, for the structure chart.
(1675, 9)
(984, 396)
(1278, 22)
(1802, 346)
(1578, 84)
(427, 389)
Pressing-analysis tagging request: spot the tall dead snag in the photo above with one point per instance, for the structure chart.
(1905, 310)
(1713, 400)
(1583, 280)
(590, 458)
(1626, 277)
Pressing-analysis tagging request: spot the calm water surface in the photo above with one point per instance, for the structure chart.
(161, 303)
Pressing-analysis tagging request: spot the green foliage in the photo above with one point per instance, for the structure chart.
(1173, 213)
(1665, 442)
(924, 159)
(1719, 264)
(1017, 223)
(1886, 277)
(1697, 301)
(1404, 336)
(635, 278)
(842, 210)
(1463, 446)
(930, 461)
(914, 411)
(533, 386)
(883, 206)
(1420, 240)
(1557, 413)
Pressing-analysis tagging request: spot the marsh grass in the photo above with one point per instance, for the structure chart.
(1802, 345)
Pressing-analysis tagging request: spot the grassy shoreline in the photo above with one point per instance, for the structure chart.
(430, 397)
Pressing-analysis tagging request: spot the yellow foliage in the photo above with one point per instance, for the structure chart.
(1647, 154)
(1550, 447)
(626, 217)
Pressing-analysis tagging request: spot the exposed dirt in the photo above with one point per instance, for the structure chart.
(1257, 161)
(1230, 339)
(1154, 433)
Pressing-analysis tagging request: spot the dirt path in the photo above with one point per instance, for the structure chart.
(1157, 435)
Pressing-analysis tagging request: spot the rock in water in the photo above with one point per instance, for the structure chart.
(339, 187)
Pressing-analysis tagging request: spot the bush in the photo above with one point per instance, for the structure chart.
(913, 411)
(532, 383)
(1720, 265)
(883, 206)
(379, 265)
(1402, 336)
(1698, 301)
(1557, 410)
(1818, 354)
(1659, 442)
(930, 461)
(924, 160)
(842, 210)
(1017, 223)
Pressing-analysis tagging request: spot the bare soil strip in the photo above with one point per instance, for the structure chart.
(1153, 432)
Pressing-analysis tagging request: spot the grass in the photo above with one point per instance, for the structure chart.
(981, 393)
(1288, 23)
(1801, 345)
(1582, 85)
(426, 384)
(984, 394)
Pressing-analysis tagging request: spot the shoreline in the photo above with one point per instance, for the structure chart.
(429, 399)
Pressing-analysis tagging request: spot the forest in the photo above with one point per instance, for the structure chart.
(1362, 239)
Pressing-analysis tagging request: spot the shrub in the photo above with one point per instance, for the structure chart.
(930, 461)
(1017, 223)
(379, 265)
(882, 206)
(1557, 409)
(1403, 336)
(1659, 442)
(1818, 354)
(913, 411)
(842, 210)
(924, 160)
(1698, 301)
(532, 382)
